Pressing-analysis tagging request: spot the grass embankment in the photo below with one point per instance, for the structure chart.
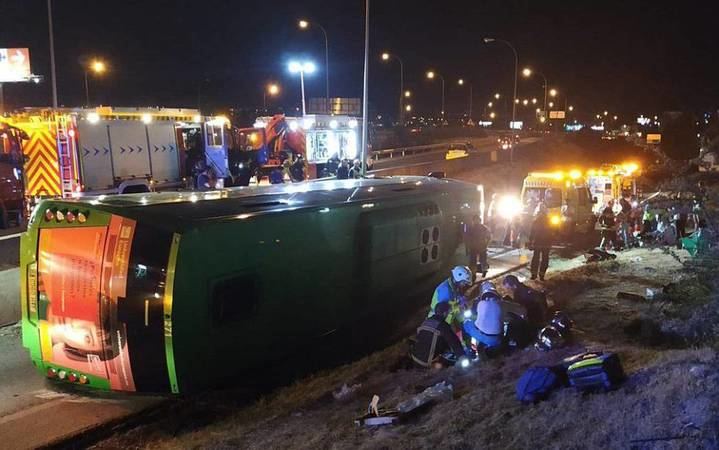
(671, 394)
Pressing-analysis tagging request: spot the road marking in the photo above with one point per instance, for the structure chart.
(10, 236)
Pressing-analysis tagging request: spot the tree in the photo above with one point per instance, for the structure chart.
(679, 136)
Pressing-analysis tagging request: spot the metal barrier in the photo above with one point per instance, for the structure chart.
(403, 152)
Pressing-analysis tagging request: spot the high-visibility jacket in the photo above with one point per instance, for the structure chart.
(447, 292)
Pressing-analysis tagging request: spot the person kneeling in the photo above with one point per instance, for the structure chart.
(435, 338)
(487, 329)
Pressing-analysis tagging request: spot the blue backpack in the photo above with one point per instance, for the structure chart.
(536, 383)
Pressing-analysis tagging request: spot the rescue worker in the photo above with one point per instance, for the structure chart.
(476, 240)
(488, 327)
(533, 301)
(356, 170)
(451, 291)
(607, 223)
(343, 170)
(540, 242)
(204, 180)
(434, 338)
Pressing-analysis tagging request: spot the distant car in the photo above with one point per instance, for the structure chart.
(505, 143)
(515, 139)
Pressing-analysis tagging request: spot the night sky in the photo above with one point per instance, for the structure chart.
(623, 56)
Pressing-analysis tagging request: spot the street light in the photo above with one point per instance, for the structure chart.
(431, 75)
(407, 94)
(461, 83)
(305, 25)
(97, 67)
(272, 90)
(489, 40)
(527, 72)
(490, 104)
(386, 57)
(408, 108)
(525, 102)
(571, 108)
(496, 96)
(553, 92)
(302, 68)
(492, 115)
(534, 101)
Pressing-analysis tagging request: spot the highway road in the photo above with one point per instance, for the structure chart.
(9, 249)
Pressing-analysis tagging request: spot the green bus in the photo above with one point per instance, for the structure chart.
(176, 292)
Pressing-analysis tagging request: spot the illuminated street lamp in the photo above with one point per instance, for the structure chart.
(534, 101)
(272, 89)
(553, 92)
(97, 67)
(408, 108)
(571, 108)
(490, 104)
(407, 94)
(527, 72)
(461, 82)
(305, 25)
(615, 117)
(606, 113)
(386, 57)
(496, 96)
(302, 68)
(492, 115)
(525, 102)
(489, 40)
(431, 75)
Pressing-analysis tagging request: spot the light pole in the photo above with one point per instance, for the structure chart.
(527, 72)
(489, 40)
(365, 94)
(305, 24)
(52, 54)
(301, 68)
(97, 67)
(431, 75)
(461, 82)
(272, 89)
(386, 57)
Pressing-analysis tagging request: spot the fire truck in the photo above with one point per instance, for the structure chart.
(105, 150)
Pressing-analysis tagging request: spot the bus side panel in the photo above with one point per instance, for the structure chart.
(164, 152)
(129, 149)
(94, 150)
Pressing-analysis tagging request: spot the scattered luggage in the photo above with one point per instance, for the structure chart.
(594, 371)
(536, 383)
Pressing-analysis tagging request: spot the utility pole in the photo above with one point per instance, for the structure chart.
(52, 54)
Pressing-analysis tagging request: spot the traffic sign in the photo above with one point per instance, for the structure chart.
(557, 114)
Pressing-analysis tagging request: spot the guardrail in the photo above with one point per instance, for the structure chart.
(403, 152)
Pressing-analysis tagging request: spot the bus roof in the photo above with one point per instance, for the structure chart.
(181, 209)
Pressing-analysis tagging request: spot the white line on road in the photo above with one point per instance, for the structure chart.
(10, 236)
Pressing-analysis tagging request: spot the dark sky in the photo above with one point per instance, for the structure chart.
(624, 56)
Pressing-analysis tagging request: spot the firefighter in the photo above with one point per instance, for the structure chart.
(452, 291)
(540, 242)
(434, 338)
(476, 240)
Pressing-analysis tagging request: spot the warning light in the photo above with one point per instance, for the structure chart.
(49, 215)
(59, 216)
(70, 217)
(82, 217)
(574, 174)
(84, 379)
(555, 220)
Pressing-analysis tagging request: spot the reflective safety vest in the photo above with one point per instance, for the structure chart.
(446, 292)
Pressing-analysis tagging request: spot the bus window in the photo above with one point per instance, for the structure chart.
(234, 299)
(214, 135)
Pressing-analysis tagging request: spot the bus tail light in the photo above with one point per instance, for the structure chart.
(49, 214)
(62, 374)
(51, 373)
(82, 217)
(84, 379)
(72, 377)
(70, 217)
(59, 215)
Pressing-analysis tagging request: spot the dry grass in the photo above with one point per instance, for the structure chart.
(670, 393)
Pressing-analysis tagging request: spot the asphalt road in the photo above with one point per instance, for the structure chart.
(9, 249)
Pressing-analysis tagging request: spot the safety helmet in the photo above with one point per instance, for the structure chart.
(488, 290)
(549, 339)
(461, 274)
(562, 322)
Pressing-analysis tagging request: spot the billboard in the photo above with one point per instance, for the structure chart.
(557, 115)
(14, 64)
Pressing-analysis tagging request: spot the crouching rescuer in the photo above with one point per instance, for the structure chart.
(451, 291)
(436, 343)
(488, 327)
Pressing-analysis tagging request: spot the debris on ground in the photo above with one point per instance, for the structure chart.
(441, 391)
(346, 392)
